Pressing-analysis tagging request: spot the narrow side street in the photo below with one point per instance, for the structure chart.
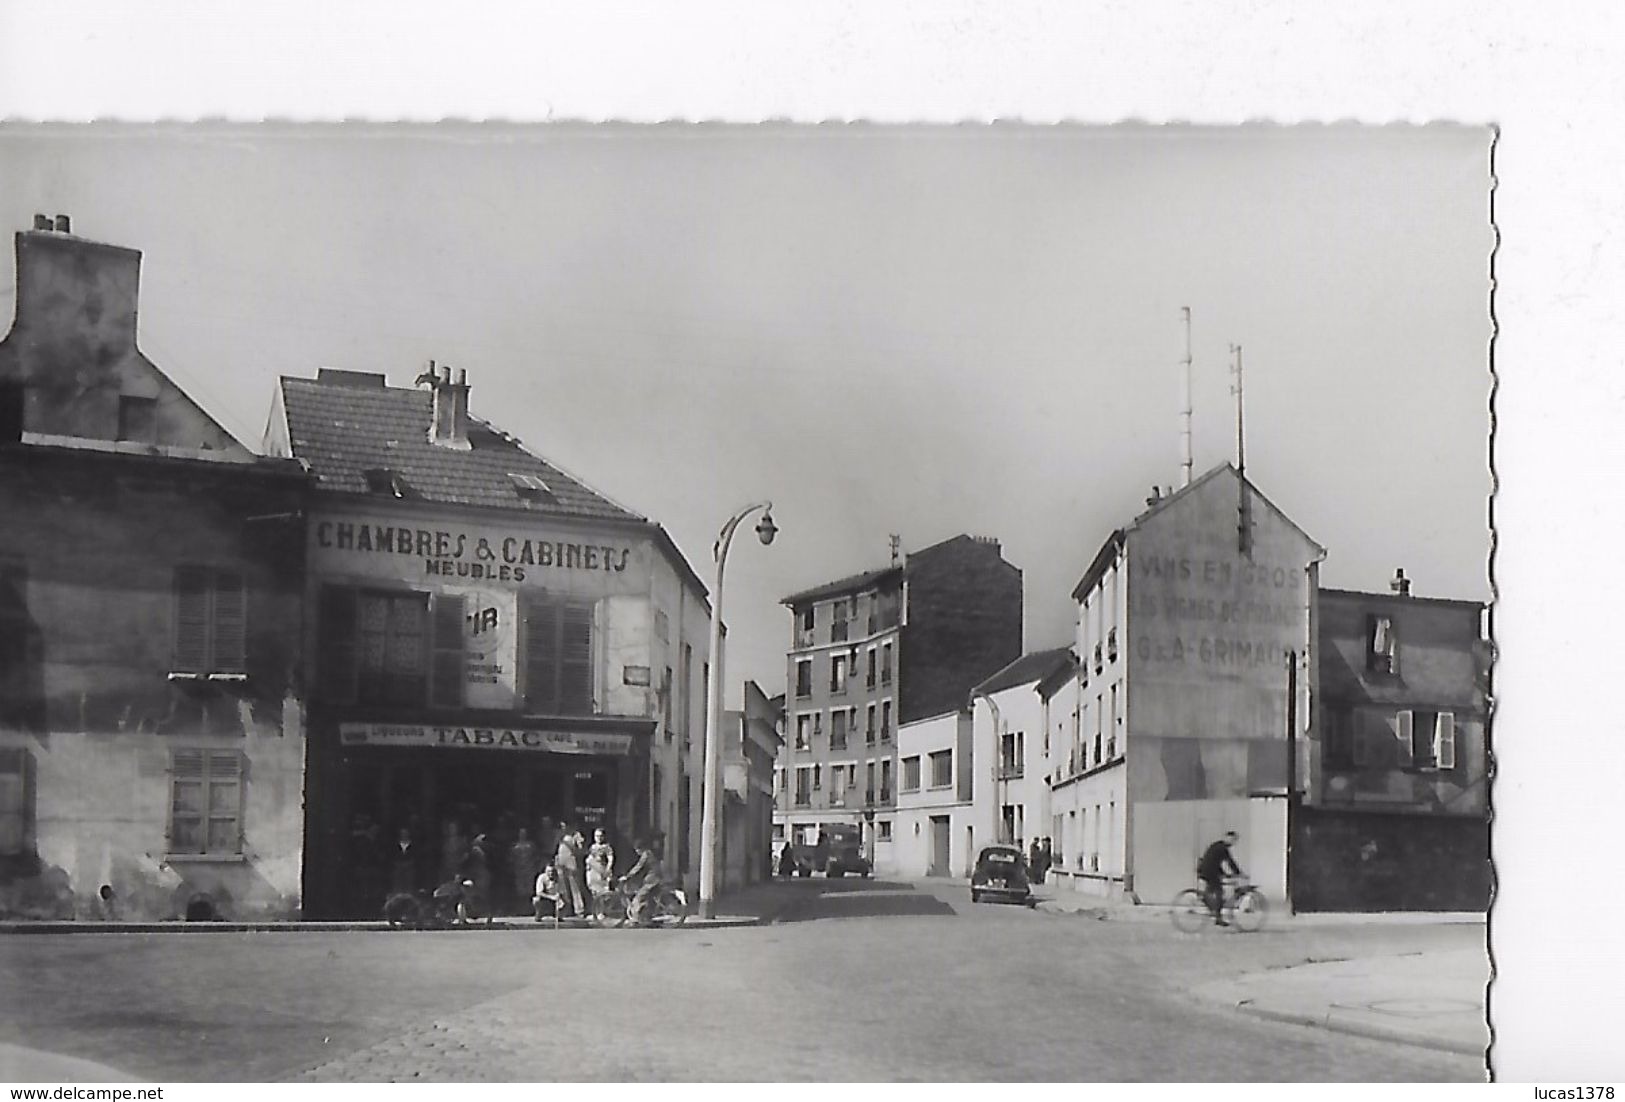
(889, 981)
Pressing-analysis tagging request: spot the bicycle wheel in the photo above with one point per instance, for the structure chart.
(672, 910)
(1190, 911)
(1250, 910)
(608, 907)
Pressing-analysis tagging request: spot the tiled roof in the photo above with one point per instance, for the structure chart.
(1028, 668)
(852, 583)
(344, 430)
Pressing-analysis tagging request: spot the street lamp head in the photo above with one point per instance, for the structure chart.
(766, 529)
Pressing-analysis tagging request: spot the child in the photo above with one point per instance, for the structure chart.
(546, 899)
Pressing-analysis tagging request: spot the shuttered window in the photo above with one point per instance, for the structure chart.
(206, 802)
(558, 668)
(1405, 730)
(211, 621)
(385, 647)
(447, 667)
(1444, 740)
(19, 646)
(13, 800)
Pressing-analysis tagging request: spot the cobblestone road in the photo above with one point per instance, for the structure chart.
(862, 981)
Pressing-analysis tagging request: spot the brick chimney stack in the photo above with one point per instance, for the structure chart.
(448, 424)
(1400, 584)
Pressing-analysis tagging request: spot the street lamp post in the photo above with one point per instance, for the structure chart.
(711, 795)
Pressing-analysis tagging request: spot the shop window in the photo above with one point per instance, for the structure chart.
(911, 774)
(1382, 648)
(206, 802)
(14, 763)
(557, 662)
(942, 769)
(210, 627)
(138, 419)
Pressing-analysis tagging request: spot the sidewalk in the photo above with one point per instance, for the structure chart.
(757, 905)
(1107, 910)
(1434, 1000)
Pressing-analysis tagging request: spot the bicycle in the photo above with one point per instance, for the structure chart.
(1244, 906)
(669, 907)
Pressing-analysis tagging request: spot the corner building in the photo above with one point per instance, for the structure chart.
(876, 650)
(492, 646)
(1189, 709)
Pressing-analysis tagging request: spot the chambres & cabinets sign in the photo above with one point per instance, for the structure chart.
(433, 552)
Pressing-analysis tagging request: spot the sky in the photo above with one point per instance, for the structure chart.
(911, 330)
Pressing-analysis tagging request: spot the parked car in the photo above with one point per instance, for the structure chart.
(1001, 873)
(839, 852)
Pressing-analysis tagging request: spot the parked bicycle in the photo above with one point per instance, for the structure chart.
(454, 903)
(1243, 906)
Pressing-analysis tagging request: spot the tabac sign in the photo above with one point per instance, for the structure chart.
(453, 553)
(416, 735)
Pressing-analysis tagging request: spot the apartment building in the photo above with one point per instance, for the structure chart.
(1011, 790)
(875, 650)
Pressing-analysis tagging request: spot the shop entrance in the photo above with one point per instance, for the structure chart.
(406, 818)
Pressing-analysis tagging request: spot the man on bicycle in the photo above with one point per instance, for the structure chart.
(645, 877)
(1216, 862)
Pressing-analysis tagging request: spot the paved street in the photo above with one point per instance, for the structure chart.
(859, 981)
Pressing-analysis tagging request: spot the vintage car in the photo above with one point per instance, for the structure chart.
(1001, 873)
(839, 852)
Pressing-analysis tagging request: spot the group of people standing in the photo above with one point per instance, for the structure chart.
(504, 864)
(579, 874)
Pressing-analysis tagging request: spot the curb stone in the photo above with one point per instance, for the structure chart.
(1331, 1022)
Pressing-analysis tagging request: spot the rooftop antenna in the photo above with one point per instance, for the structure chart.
(1185, 431)
(1241, 436)
(896, 548)
(1244, 522)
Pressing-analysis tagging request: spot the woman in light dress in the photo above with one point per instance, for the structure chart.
(600, 865)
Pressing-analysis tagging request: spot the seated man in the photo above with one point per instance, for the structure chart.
(546, 899)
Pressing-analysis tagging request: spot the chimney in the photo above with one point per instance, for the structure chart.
(1156, 496)
(448, 422)
(1401, 584)
(76, 296)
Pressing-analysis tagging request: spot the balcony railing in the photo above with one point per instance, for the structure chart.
(869, 796)
(804, 638)
(1010, 771)
(885, 675)
(885, 733)
(803, 799)
(885, 795)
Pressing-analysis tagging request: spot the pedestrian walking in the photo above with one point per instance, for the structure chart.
(567, 860)
(1035, 862)
(523, 859)
(1048, 859)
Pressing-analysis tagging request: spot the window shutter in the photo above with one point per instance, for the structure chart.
(225, 802)
(1444, 740)
(337, 646)
(191, 619)
(187, 801)
(541, 633)
(446, 664)
(1407, 736)
(230, 624)
(575, 662)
